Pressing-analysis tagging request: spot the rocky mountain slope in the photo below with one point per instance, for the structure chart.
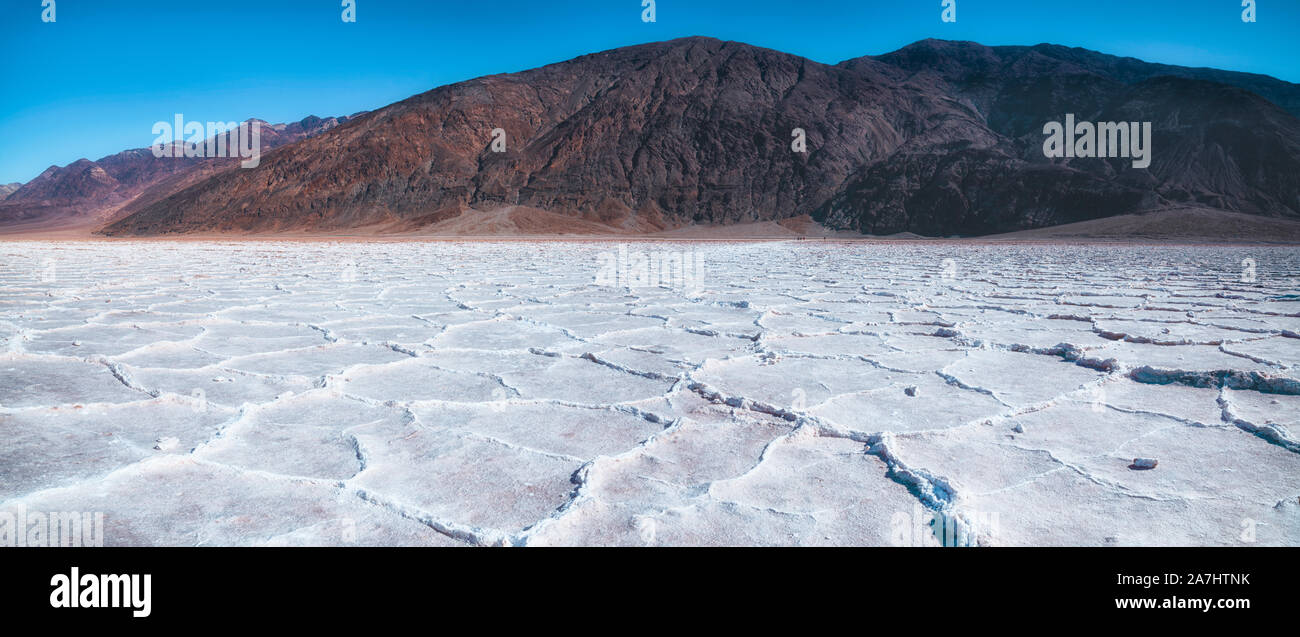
(939, 138)
(1215, 143)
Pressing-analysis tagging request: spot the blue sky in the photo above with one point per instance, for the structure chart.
(93, 82)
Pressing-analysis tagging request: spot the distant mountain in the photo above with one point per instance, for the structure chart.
(938, 138)
(8, 189)
(92, 192)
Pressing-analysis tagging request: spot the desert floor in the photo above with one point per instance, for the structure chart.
(653, 393)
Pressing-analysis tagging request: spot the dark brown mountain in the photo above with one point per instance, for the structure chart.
(92, 192)
(1216, 144)
(939, 138)
(694, 130)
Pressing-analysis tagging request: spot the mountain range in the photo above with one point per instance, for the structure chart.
(939, 138)
(88, 194)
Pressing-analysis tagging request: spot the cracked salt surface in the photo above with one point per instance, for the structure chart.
(804, 393)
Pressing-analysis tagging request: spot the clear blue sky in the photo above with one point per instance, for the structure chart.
(94, 82)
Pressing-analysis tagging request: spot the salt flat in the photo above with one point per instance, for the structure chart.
(797, 393)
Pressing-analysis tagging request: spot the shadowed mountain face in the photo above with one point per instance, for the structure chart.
(1215, 144)
(91, 192)
(939, 138)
